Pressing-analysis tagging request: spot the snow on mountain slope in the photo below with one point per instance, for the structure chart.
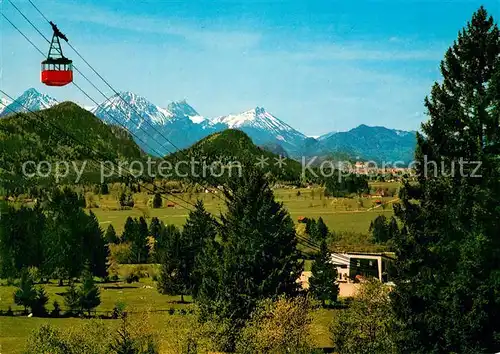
(30, 100)
(159, 131)
(257, 118)
(131, 110)
(4, 102)
(263, 127)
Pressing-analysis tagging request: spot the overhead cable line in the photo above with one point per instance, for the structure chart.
(55, 126)
(125, 101)
(109, 85)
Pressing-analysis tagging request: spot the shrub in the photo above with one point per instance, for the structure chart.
(56, 311)
(126, 199)
(90, 337)
(132, 277)
(281, 326)
(34, 274)
(171, 311)
(365, 326)
(118, 310)
(120, 253)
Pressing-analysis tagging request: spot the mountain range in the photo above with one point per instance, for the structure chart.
(161, 131)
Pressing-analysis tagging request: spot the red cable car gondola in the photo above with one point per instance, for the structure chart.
(57, 70)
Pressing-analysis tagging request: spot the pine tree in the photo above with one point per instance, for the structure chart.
(323, 282)
(20, 243)
(111, 236)
(258, 257)
(140, 242)
(26, 294)
(383, 229)
(164, 241)
(171, 280)
(72, 298)
(310, 226)
(448, 252)
(155, 228)
(157, 201)
(130, 230)
(104, 190)
(95, 247)
(200, 228)
(320, 231)
(39, 303)
(64, 235)
(89, 295)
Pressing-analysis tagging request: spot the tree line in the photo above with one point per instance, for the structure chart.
(56, 236)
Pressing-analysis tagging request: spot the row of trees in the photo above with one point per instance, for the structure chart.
(345, 185)
(86, 297)
(56, 236)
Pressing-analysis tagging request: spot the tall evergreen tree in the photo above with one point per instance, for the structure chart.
(172, 272)
(64, 235)
(320, 231)
(155, 228)
(95, 247)
(140, 242)
(89, 293)
(310, 226)
(20, 243)
(258, 258)
(130, 230)
(383, 229)
(323, 282)
(448, 268)
(157, 201)
(200, 228)
(104, 189)
(26, 294)
(111, 236)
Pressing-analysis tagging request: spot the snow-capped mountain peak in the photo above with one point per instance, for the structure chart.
(257, 117)
(263, 126)
(30, 100)
(182, 109)
(130, 108)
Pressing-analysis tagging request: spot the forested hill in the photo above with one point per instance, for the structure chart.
(47, 135)
(233, 145)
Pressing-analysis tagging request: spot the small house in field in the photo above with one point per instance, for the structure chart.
(170, 205)
(302, 219)
(354, 267)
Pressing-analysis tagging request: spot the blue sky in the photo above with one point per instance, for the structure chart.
(320, 66)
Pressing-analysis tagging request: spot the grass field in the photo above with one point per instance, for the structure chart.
(142, 296)
(341, 215)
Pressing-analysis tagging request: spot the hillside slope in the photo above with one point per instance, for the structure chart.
(372, 143)
(39, 137)
(234, 146)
